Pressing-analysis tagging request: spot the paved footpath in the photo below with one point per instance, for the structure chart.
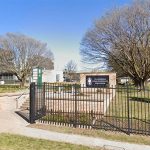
(10, 122)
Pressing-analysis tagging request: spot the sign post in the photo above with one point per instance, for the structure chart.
(39, 77)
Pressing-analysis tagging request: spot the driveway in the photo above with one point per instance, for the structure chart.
(9, 120)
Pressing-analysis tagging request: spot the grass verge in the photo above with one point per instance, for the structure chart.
(17, 142)
(115, 136)
(10, 88)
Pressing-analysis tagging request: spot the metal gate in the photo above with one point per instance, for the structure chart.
(124, 109)
(129, 111)
(37, 102)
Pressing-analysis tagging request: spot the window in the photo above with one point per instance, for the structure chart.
(57, 77)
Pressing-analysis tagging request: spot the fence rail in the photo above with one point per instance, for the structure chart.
(123, 109)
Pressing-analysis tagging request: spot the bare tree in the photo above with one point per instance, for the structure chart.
(19, 54)
(71, 66)
(70, 70)
(121, 39)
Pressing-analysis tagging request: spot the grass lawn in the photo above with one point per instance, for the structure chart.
(134, 103)
(16, 142)
(2, 90)
(115, 136)
(10, 88)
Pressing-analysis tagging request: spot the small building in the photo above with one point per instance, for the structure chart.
(52, 76)
(8, 78)
(42, 75)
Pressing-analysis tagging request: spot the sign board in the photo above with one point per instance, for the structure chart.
(97, 81)
(39, 81)
(37, 76)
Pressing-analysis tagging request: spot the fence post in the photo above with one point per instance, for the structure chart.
(43, 104)
(32, 103)
(128, 109)
(75, 92)
(44, 84)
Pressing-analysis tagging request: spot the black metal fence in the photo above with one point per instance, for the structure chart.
(125, 109)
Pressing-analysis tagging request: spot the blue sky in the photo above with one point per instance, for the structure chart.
(60, 23)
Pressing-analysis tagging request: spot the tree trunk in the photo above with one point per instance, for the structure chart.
(142, 85)
(22, 84)
(139, 83)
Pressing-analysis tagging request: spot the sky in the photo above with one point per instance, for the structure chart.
(59, 23)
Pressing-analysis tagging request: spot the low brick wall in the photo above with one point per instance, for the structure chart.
(70, 106)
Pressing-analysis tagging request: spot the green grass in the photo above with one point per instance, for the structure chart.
(115, 136)
(82, 118)
(140, 99)
(16, 142)
(10, 88)
(139, 103)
